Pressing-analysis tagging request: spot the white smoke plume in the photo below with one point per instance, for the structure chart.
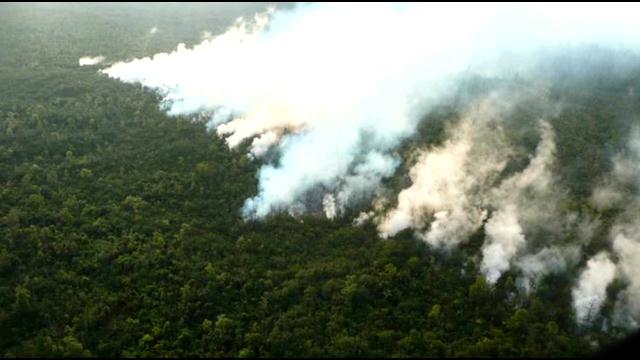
(555, 256)
(504, 240)
(448, 182)
(455, 186)
(590, 292)
(336, 87)
(620, 191)
(263, 143)
(153, 30)
(329, 206)
(626, 244)
(524, 202)
(90, 60)
(626, 233)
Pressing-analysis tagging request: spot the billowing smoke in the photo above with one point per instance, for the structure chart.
(336, 87)
(505, 240)
(329, 206)
(590, 292)
(457, 188)
(324, 95)
(620, 191)
(90, 60)
(525, 203)
(445, 202)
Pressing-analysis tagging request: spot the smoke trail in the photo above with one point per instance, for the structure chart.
(505, 239)
(456, 185)
(336, 87)
(619, 191)
(525, 198)
(624, 186)
(90, 60)
(626, 244)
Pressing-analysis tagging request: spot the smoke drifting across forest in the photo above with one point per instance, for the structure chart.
(327, 96)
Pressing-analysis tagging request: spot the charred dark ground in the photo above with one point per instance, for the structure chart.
(120, 231)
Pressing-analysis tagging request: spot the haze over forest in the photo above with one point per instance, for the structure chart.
(318, 179)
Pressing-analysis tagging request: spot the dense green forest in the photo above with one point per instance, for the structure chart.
(120, 230)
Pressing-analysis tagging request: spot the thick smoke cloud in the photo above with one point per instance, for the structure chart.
(336, 87)
(332, 90)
